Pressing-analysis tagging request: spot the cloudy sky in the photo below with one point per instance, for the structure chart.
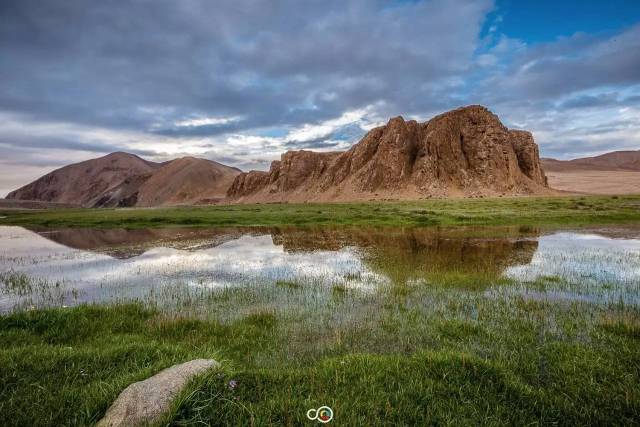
(242, 81)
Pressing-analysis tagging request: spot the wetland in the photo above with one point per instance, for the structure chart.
(388, 324)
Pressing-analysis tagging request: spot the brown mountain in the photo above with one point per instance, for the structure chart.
(617, 172)
(187, 181)
(465, 152)
(614, 161)
(122, 179)
(84, 183)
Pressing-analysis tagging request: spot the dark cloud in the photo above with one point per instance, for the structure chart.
(203, 130)
(26, 142)
(590, 101)
(99, 63)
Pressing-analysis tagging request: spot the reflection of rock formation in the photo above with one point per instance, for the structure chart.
(409, 252)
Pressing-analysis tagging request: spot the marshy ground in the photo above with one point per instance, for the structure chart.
(532, 322)
(444, 212)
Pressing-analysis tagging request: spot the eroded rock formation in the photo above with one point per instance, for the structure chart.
(462, 153)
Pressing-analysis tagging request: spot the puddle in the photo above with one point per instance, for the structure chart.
(583, 267)
(65, 267)
(589, 259)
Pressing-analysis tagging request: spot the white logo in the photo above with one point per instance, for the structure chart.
(323, 414)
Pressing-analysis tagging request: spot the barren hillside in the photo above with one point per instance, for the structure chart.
(616, 160)
(187, 181)
(122, 179)
(617, 172)
(85, 182)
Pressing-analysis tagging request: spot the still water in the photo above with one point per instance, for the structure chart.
(66, 267)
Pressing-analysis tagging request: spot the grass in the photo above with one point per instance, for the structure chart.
(448, 339)
(287, 284)
(428, 355)
(572, 210)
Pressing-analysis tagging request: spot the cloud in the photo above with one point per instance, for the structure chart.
(311, 132)
(573, 93)
(207, 121)
(241, 82)
(574, 64)
(273, 62)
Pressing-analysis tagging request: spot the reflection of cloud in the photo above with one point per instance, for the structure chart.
(583, 259)
(246, 261)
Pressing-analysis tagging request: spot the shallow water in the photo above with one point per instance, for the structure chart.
(66, 267)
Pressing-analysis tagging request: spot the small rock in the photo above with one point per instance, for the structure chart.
(147, 401)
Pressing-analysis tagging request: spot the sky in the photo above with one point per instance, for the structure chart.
(242, 81)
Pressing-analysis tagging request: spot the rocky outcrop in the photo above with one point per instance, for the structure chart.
(286, 174)
(466, 152)
(528, 155)
(145, 402)
(249, 182)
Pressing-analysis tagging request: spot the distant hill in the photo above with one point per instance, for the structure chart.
(617, 172)
(614, 161)
(123, 179)
(84, 183)
(188, 180)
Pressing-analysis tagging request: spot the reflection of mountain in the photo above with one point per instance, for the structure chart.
(406, 253)
(402, 253)
(123, 243)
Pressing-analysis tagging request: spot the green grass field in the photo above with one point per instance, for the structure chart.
(510, 363)
(500, 211)
(440, 350)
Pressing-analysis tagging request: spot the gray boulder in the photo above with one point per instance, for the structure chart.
(147, 401)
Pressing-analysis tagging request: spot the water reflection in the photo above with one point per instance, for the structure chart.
(587, 258)
(122, 243)
(582, 267)
(412, 249)
(407, 254)
(62, 267)
(207, 260)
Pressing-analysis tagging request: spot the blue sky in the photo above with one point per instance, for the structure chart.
(241, 82)
(547, 20)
